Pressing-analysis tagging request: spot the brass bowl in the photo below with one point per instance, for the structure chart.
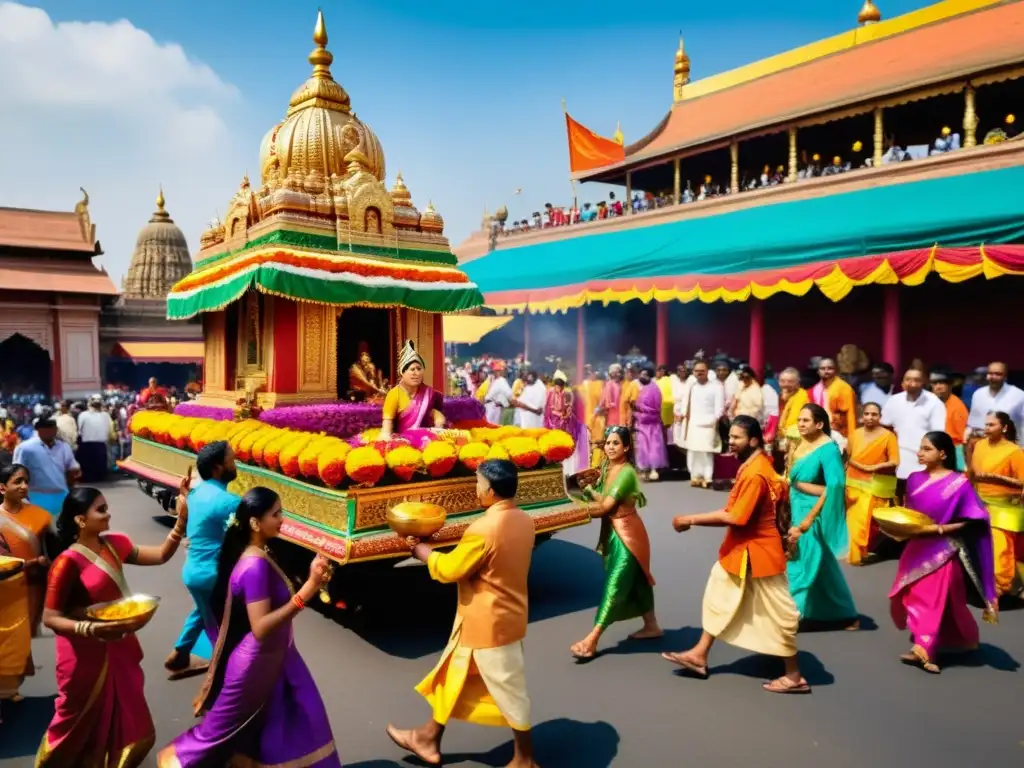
(136, 609)
(416, 518)
(901, 523)
(10, 563)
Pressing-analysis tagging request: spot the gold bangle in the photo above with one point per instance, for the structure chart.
(78, 628)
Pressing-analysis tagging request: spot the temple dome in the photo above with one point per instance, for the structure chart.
(319, 130)
(869, 13)
(406, 214)
(160, 259)
(430, 220)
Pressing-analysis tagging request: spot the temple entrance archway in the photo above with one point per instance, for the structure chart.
(372, 327)
(24, 366)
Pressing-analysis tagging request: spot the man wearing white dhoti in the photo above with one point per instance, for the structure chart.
(705, 405)
(498, 397)
(680, 392)
(530, 405)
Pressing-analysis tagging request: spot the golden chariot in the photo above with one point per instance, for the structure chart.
(317, 267)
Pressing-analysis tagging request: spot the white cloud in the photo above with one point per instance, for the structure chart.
(106, 107)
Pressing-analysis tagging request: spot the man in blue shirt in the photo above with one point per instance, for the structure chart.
(210, 505)
(51, 466)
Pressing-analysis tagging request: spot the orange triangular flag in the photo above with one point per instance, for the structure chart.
(588, 151)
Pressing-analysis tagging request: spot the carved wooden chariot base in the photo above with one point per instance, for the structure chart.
(351, 525)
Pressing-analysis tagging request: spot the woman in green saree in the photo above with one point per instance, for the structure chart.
(817, 496)
(624, 545)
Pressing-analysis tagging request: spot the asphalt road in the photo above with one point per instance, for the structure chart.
(627, 707)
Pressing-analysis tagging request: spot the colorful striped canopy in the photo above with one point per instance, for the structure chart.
(957, 227)
(311, 268)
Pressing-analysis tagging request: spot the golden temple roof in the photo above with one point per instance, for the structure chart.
(160, 259)
(430, 219)
(319, 130)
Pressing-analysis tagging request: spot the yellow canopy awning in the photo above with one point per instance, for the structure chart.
(163, 351)
(469, 329)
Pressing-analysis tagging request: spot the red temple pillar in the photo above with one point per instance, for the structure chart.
(661, 334)
(526, 335)
(891, 326)
(56, 375)
(284, 374)
(440, 372)
(581, 342)
(756, 356)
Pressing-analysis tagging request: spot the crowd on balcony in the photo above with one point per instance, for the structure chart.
(809, 166)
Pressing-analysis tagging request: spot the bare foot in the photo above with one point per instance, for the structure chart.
(648, 633)
(854, 626)
(583, 650)
(412, 742)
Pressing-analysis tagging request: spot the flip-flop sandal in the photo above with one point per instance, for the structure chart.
(783, 686)
(914, 660)
(689, 666)
(192, 670)
(638, 636)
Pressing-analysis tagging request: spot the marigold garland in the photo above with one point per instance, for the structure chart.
(473, 454)
(331, 463)
(523, 451)
(332, 460)
(290, 454)
(405, 461)
(439, 457)
(556, 446)
(365, 465)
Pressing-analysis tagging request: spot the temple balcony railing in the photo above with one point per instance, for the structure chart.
(970, 160)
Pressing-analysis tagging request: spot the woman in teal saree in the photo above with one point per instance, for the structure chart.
(817, 496)
(624, 545)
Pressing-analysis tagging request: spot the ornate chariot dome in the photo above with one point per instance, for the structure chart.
(320, 134)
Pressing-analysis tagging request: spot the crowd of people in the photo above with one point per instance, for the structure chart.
(809, 467)
(810, 165)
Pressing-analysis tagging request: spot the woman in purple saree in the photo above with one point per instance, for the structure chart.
(260, 704)
(946, 560)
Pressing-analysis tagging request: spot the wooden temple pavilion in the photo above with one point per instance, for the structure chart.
(942, 83)
(51, 295)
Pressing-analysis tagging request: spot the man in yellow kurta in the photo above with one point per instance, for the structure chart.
(480, 677)
(792, 399)
(630, 392)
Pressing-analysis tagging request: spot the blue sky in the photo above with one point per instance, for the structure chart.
(465, 97)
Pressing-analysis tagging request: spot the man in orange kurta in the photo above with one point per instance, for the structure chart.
(480, 677)
(747, 602)
(956, 414)
(835, 396)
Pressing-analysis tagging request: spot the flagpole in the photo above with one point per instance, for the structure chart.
(572, 182)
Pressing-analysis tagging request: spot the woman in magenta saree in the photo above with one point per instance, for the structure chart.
(101, 719)
(412, 408)
(949, 559)
(259, 703)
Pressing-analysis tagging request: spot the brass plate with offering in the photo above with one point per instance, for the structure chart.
(901, 523)
(576, 485)
(138, 609)
(10, 563)
(416, 518)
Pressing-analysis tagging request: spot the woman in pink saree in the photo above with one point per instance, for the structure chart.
(101, 718)
(946, 561)
(564, 411)
(412, 408)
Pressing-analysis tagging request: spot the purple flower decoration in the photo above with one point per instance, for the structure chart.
(458, 409)
(197, 411)
(347, 420)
